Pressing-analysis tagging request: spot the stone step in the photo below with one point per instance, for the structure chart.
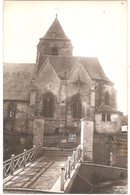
(57, 152)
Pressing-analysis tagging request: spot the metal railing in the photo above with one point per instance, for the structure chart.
(67, 169)
(16, 162)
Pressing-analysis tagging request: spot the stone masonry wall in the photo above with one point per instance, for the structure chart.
(79, 82)
(38, 132)
(104, 144)
(100, 94)
(16, 135)
(20, 122)
(15, 143)
(64, 47)
(87, 128)
(112, 126)
(47, 80)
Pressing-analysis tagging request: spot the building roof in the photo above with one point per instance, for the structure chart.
(64, 65)
(93, 67)
(17, 79)
(55, 31)
(107, 108)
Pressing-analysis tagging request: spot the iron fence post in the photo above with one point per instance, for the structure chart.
(12, 164)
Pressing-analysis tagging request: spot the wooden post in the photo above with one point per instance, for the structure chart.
(69, 158)
(24, 157)
(12, 164)
(62, 177)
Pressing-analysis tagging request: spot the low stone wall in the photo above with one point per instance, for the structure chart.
(101, 173)
(90, 174)
(52, 141)
(104, 144)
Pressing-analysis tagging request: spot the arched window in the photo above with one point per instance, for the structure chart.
(11, 110)
(77, 107)
(107, 98)
(48, 105)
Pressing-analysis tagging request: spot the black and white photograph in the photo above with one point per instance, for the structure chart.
(65, 97)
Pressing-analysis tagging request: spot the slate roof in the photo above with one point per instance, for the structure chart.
(17, 79)
(107, 108)
(93, 67)
(65, 64)
(41, 61)
(57, 29)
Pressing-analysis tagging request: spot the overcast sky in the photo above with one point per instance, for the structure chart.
(96, 28)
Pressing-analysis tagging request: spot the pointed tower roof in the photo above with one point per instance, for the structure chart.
(55, 31)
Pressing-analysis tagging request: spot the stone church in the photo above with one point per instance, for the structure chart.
(53, 94)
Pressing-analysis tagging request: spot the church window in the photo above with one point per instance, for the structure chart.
(107, 98)
(106, 117)
(103, 117)
(48, 105)
(11, 110)
(54, 50)
(77, 108)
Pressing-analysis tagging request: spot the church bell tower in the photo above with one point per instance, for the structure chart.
(54, 42)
